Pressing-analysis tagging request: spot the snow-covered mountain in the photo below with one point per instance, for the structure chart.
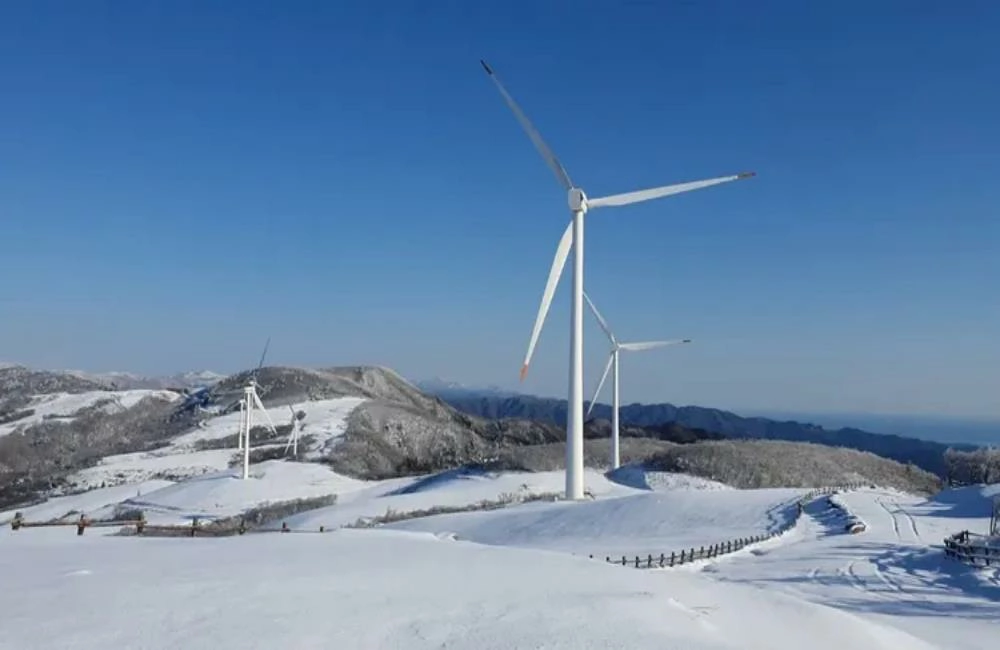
(127, 380)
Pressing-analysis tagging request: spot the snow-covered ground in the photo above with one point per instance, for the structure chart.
(88, 503)
(510, 578)
(226, 494)
(448, 489)
(385, 589)
(325, 421)
(638, 524)
(63, 407)
(894, 573)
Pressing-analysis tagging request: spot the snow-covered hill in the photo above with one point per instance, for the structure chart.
(65, 407)
(815, 587)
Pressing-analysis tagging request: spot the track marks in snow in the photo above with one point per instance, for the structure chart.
(908, 529)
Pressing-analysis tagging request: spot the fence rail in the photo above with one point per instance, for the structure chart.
(972, 549)
(686, 556)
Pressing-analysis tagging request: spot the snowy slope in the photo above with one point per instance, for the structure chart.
(226, 494)
(449, 489)
(894, 573)
(62, 407)
(87, 503)
(325, 421)
(639, 524)
(817, 587)
(384, 589)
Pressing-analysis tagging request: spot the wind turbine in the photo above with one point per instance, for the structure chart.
(579, 204)
(617, 347)
(293, 433)
(251, 401)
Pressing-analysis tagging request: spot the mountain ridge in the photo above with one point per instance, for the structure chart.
(926, 454)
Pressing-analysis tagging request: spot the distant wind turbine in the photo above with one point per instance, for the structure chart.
(579, 204)
(617, 347)
(251, 401)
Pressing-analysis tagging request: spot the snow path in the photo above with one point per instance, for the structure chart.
(895, 572)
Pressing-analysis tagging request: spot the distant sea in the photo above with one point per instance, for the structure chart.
(939, 429)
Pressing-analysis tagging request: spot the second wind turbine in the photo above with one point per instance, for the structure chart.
(616, 349)
(579, 204)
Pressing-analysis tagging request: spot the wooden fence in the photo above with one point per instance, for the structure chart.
(685, 556)
(973, 549)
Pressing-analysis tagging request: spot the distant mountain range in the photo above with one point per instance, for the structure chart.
(128, 380)
(496, 404)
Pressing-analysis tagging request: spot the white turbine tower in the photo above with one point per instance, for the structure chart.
(579, 204)
(293, 433)
(617, 347)
(251, 401)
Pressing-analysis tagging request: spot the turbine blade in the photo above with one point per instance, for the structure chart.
(536, 138)
(267, 344)
(649, 345)
(600, 319)
(600, 385)
(259, 405)
(666, 190)
(562, 252)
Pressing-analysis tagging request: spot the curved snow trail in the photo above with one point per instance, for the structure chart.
(893, 572)
(906, 530)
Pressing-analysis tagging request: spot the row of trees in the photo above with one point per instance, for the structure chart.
(972, 467)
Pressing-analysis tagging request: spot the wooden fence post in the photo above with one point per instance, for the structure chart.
(672, 559)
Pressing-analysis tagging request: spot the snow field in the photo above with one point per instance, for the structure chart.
(637, 524)
(895, 572)
(385, 589)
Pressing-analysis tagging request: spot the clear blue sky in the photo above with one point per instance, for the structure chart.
(180, 180)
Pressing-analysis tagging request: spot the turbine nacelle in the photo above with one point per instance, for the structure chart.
(577, 200)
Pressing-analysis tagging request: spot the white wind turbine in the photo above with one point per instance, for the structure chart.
(250, 402)
(617, 347)
(579, 204)
(293, 433)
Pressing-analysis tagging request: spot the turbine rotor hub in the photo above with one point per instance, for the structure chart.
(577, 200)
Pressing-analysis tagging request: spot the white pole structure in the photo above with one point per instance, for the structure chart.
(248, 395)
(579, 204)
(243, 415)
(293, 435)
(252, 401)
(616, 450)
(612, 364)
